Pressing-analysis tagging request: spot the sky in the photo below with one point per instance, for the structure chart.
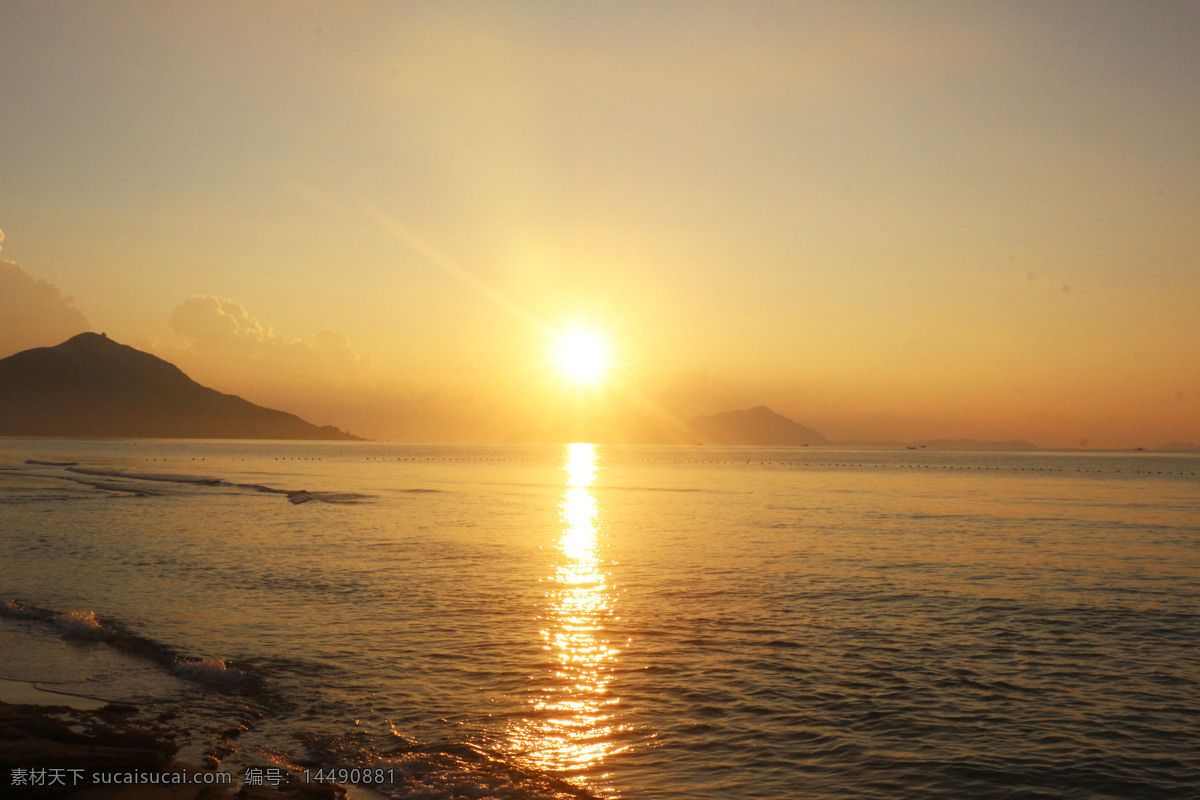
(887, 221)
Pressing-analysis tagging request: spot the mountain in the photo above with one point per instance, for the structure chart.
(91, 386)
(755, 426)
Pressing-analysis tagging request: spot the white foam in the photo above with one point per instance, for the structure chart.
(81, 625)
(209, 671)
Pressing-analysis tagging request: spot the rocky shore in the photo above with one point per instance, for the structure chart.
(115, 753)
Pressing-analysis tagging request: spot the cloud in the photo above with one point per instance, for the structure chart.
(219, 322)
(33, 313)
(322, 379)
(223, 333)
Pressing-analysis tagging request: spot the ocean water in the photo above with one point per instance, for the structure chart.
(624, 622)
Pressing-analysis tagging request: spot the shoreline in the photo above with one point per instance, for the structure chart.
(22, 692)
(48, 752)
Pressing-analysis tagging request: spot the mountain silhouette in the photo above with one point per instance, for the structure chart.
(91, 386)
(755, 426)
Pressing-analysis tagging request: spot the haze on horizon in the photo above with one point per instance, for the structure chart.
(886, 221)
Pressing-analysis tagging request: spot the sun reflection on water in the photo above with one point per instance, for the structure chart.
(572, 726)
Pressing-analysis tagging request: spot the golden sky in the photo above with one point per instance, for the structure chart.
(885, 220)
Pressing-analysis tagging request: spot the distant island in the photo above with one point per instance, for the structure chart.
(91, 386)
(948, 444)
(752, 427)
(755, 426)
(761, 426)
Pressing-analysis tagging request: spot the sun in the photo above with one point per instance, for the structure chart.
(583, 355)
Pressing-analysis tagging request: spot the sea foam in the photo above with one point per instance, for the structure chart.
(209, 671)
(81, 625)
(215, 672)
(72, 624)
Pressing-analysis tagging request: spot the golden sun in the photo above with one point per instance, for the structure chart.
(583, 355)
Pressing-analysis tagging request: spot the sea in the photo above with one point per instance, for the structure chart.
(593, 621)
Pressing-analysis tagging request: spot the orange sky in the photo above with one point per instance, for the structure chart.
(887, 221)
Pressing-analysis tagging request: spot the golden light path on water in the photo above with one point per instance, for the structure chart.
(572, 727)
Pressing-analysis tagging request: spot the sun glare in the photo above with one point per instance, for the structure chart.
(583, 356)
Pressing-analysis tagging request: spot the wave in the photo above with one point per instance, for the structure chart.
(81, 625)
(450, 773)
(85, 625)
(209, 671)
(398, 768)
(439, 771)
(148, 476)
(109, 486)
(72, 624)
(294, 496)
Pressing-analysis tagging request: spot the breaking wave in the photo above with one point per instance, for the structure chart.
(81, 625)
(294, 496)
(85, 625)
(209, 671)
(71, 624)
(440, 771)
